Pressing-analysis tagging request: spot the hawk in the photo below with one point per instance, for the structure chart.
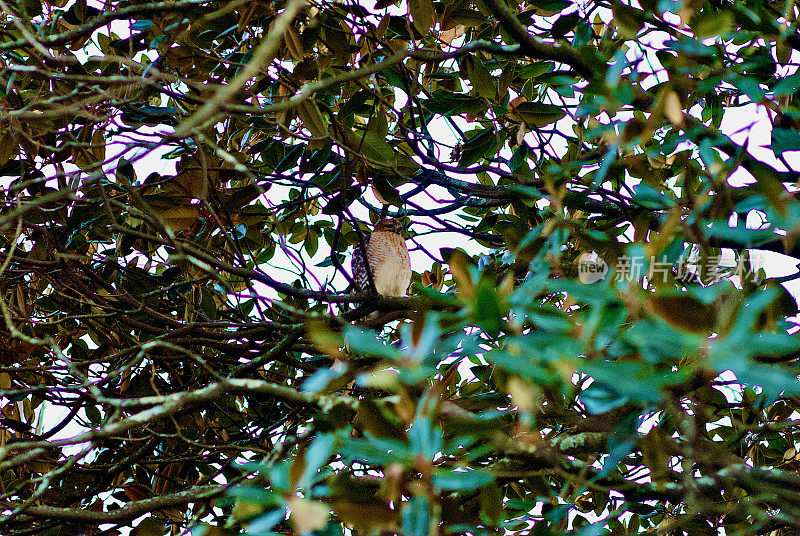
(388, 260)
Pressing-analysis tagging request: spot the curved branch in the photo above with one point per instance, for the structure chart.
(538, 49)
(130, 510)
(105, 18)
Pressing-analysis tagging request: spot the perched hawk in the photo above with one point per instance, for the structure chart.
(387, 258)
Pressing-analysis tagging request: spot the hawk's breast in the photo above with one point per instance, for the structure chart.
(389, 263)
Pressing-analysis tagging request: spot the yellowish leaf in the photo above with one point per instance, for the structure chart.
(195, 182)
(521, 394)
(306, 515)
(459, 267)
(683, 311)
(367, 517)
(382, 27)
(244, 510)
(673, 109)
(294, 44)
(448, 36)
(181, 218)
(324, 339)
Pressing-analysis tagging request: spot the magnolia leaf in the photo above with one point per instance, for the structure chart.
(461, 480)
(376, 148)
(673, 108)
(366, 342)
(293, 43)
(368, 517)
(386, 193)
(479, 145)
(629, 20)
(307, 516)
(195, 182)
(423, 14)
(684, 311)
(416, 517)
(482, 82)
(488, 307)
(784, 139)
(647, 196)
(149, 527)
(748, 85)
(312, 118)
(181, 218)
(712, 23)
(537, 114)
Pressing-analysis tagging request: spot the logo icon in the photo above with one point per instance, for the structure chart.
(591, 268)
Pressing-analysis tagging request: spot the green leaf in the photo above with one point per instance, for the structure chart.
(784, 139)
(149, 115)
(425, 439)
(480, 79)
(468, 17)
(647, 196)
(712, 23)
(93, 414)
(739, 234)
(564, 25)
(434, 296)
(535, 69)
(375, 147)
(338, 40)
(527, 192)
(461, 480)
(150, 526)
(600, 399)
(748, 85)
(369, 451)
(320, 379)
(447, 103)
(772, 379)
(142, 25)
(291, 158)
(279, 475)
(628, 20)
(366, 342)
(787, 86)
(688, 45)
(487, 308)
(481, 144)
(637, 382)
(492, 500)
(263, 524)
(537, 114)
(312, 118)
(377, 419)
(316, 457)
(387, 191)
(423, 14)
(416, 517)
(520, 364)
(545, 7)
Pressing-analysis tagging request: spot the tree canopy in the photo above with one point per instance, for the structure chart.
(588, 188)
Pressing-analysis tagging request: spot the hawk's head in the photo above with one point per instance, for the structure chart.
(388, 225)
